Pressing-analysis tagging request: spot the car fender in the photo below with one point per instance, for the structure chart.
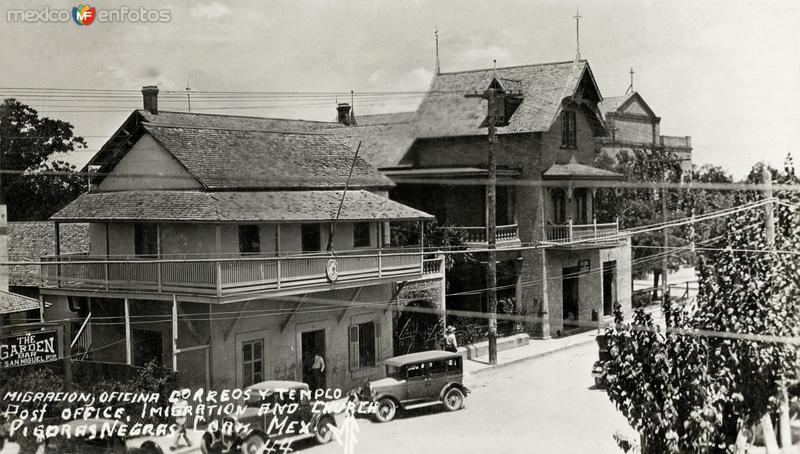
(388, 396)
(453, 384)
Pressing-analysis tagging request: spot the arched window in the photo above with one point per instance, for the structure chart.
(581, 206)
(558, 197)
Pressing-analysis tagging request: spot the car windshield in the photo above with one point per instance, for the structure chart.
(392, 371)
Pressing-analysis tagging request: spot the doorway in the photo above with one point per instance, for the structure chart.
(569, 292)
(609, 286)
(147, 346)
(312, 344)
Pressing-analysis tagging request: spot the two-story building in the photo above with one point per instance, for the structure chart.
(226, 249)
(558, 263)
(631, 124)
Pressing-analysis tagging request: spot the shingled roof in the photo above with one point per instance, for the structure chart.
(446, 111)
(226, 159)
(384, 138)
(263, 206)
(29, 241)
(11, 303)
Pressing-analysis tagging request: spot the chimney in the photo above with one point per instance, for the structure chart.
(343, 113)
(150, 98)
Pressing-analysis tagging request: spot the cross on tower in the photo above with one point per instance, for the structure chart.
(630, 87)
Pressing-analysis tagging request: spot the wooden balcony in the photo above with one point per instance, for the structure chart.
(582, 233)
(218, 277)
(477, 236)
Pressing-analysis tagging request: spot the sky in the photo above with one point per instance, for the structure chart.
(724, 72)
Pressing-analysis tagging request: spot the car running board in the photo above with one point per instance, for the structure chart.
(424, 404)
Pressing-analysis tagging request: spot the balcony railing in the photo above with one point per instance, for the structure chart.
(479, 235)
(585, 233)
(218, 276)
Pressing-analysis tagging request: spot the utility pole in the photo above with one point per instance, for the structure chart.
(491, 95)
(784, 422)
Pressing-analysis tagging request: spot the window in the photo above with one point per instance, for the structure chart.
(581, 206)
(310, 237)
(361, 233)
(416, 370)
(252, 362)
(363, 345)
(249, 240)
(145, 239)
(568, 132)
(438, 367)
(559, 200)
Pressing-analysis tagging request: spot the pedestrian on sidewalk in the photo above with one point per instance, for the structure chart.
(450, 342)
(318, 371)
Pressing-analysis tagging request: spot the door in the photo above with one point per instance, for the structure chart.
(417, 383)
(312, 344)
(438, 377)
(569, 290)
(609, 286)
(147, 346)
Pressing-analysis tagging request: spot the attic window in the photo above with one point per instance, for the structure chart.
(568, 130)
(505, 106)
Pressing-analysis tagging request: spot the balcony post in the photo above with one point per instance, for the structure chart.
(128, 346)
(569, 224)
(174, 333)
(56, 232)
(380, 263)
(105, 270)
(219, 278)
(594, 223)
(278, 268)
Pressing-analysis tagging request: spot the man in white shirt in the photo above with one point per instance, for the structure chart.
(318, 372)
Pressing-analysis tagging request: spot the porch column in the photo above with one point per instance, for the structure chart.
(128, 343)
(443, 290)
(174, 333)
(57, 243)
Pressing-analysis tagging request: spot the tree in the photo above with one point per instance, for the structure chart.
(641, 205)
(716, 371)
(33, 183)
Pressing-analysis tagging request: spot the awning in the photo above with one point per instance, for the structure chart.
(11, 303)
(234, 207)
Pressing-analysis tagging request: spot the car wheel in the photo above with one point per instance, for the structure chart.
(323, 432)
(386, 410)
(254, 444)
(453, 399)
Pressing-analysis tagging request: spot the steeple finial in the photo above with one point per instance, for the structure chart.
(436, 34)
(577, 34)
(630, 87)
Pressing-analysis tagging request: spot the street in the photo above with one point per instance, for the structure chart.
(541, 405)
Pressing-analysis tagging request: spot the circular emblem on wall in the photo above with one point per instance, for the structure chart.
(332, 270)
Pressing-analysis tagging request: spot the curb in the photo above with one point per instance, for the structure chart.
(533, 356)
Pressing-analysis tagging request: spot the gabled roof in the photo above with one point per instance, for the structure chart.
(384, 138)
(11, 303)
(228, 159)
(230, 152)
(575, 171)
(29, 241)
(262, 206)
(446, 112)
(618, 104)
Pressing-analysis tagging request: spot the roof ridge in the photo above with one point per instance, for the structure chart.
(513, 67)
(332, 123)
(214, 128)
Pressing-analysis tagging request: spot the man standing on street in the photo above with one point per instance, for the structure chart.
(450, 342)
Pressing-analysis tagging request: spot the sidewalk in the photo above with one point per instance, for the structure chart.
(535, 349)
(538, 348)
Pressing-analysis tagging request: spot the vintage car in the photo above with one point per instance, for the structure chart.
(417, 380)
(271, 424)
(108, 444)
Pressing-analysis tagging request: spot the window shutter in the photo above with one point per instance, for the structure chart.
(354, 360)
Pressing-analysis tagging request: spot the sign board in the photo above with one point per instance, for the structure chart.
(332, 270)
(30, 348)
